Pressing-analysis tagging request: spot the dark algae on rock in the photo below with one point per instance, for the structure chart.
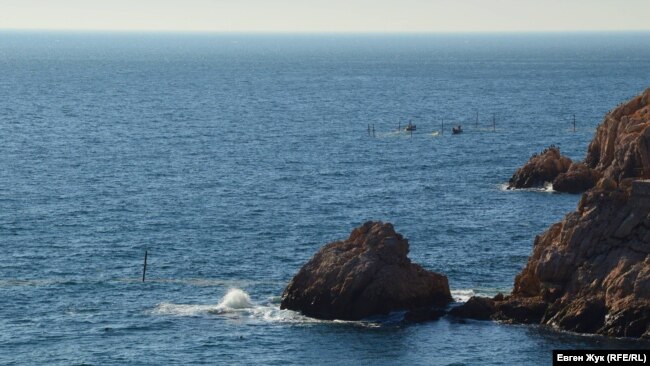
(366, 274)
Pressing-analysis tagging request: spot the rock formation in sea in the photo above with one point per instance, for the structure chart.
(620, 151)
(540, 169)
(590, 273)
(367, 274)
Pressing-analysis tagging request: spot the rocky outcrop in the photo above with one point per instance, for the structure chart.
(540, 169)
(367, 274)
(620, 152)
(590, 273)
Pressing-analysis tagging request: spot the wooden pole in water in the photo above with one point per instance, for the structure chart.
(399, 126)
(144, 269)
(442, 126)
(574, 123)
(373, 130)
(368, 129)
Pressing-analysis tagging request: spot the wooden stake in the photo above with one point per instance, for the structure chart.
(144, 269)
(574, 123)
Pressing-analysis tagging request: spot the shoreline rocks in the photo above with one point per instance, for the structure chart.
(367, 274)
(590, 273)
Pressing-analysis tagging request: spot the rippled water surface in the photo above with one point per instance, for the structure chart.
(232, 158)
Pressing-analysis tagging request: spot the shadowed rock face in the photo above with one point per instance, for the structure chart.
(367, 274)
(590, 273)
(577, 179)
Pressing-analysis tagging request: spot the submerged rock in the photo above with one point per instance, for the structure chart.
(540, 169)
(423, 315)
(367, 274)
(590, 273)
(480, 308)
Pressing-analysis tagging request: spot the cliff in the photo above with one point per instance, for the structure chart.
(590, 273)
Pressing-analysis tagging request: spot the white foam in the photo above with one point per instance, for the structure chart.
(237, 304)
(235, 299)
(166, 308)
(462, 295)
(548, 188)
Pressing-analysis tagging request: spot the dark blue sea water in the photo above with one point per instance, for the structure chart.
(233, 158)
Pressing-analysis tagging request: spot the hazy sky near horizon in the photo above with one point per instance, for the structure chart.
(327, 16)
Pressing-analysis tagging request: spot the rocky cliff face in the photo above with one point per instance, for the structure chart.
(590, 273)
(621, 147)
(367, 274)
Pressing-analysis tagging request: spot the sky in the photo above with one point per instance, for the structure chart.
(308, 16)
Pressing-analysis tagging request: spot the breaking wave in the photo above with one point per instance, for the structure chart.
(237, 304)
(548, 188)
(462, 295)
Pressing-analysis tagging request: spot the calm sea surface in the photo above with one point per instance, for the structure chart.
(232, 158)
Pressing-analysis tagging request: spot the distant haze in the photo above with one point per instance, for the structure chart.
(327, 16)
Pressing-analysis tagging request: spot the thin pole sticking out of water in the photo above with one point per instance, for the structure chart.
(399, 126)
(574, 123)
(442, 126)
(368, 129)
(373, 130)
(144, 269)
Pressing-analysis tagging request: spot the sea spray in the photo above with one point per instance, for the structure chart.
(235, 299)
(236, 303)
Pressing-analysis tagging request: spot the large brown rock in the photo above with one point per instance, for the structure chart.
(540, 169)
(590, 273)
(367, 274)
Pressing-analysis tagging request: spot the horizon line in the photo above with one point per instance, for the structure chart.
(322, 32)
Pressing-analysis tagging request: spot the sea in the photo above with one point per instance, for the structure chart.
(230, 159)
